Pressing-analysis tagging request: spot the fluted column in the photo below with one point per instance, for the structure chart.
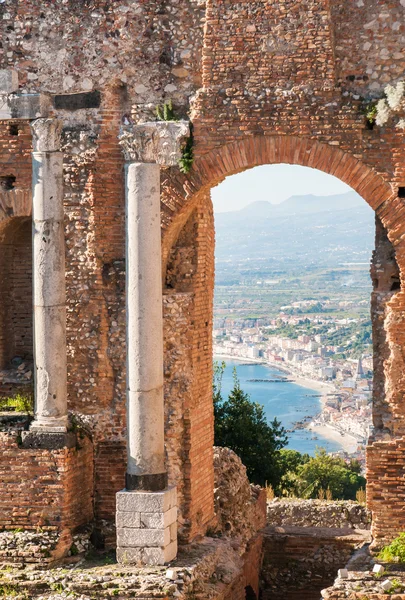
(147, 148)
(49, 292)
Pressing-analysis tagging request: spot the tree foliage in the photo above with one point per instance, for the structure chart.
(241, 425)
(321, 473)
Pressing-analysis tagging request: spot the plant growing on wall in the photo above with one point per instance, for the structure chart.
(392, 106)
(166, 112)
(370, 112)
(187, 153)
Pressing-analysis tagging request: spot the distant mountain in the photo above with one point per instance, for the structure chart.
(299, 205)
(302, 231)
(316, 204)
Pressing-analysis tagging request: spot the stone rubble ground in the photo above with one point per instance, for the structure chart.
(367, 578)
(18, 375)
(201, 570)
(364, 584)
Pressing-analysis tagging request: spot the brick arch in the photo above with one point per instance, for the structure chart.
(180, 193)
(14, 203)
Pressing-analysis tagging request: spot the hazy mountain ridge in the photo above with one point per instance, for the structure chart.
(297, 233)
(307, 204)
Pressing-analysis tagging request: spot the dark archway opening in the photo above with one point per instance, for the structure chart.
(16, 322)
(250, 594)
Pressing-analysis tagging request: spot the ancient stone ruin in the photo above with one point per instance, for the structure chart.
(120, 242)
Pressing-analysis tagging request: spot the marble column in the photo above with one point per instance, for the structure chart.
(49, 292)
(146, 509)
(145, 411)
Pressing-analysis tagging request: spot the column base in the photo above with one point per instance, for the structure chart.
(146, 483)
(49, 425)
(146, 527)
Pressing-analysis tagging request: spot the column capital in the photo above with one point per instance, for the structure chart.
(158, 142)
(46, 135)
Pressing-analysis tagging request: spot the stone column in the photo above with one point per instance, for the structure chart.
(49, 291)
(147, 508)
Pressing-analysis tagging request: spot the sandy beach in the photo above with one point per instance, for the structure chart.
(348, 442)
(225, 357)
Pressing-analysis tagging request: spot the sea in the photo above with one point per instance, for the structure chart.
(287, 401)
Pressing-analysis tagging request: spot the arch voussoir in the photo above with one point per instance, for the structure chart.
(15, 203)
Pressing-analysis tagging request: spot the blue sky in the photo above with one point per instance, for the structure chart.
(273, 183)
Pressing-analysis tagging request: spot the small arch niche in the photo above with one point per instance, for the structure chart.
(16, 323)
(250, 594)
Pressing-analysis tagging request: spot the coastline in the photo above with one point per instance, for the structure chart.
(254, 361)
(348, 443)
(306, 382)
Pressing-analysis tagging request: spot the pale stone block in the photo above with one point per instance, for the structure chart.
(127, 519)
(5, 110)
(343, 573)
(386, 585)
(171, 574)
(147, 502)
(166, 536)
(173, 532)
(170, 552)
(379, 569)
(24, 106)
(28, 106)
(8, 81)
(160, 556)
(142, 538)
(130, 556)
(154, 556)
(159, 520)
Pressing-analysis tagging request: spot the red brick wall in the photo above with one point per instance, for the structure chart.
(386, 488)
(51, 489)
(190, 454)
(252, 561)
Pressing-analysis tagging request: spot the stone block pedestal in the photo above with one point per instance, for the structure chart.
(146, 527)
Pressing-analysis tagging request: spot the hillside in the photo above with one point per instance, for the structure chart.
(302, 232)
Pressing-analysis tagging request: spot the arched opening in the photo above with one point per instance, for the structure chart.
(186, 194)
(292, 303)
(16, 335)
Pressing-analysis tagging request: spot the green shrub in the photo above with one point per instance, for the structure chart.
(395, 552)
(17, 403)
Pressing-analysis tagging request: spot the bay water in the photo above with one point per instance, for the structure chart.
(287, 401)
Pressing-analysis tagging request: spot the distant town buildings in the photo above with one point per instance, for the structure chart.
(346, 407)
